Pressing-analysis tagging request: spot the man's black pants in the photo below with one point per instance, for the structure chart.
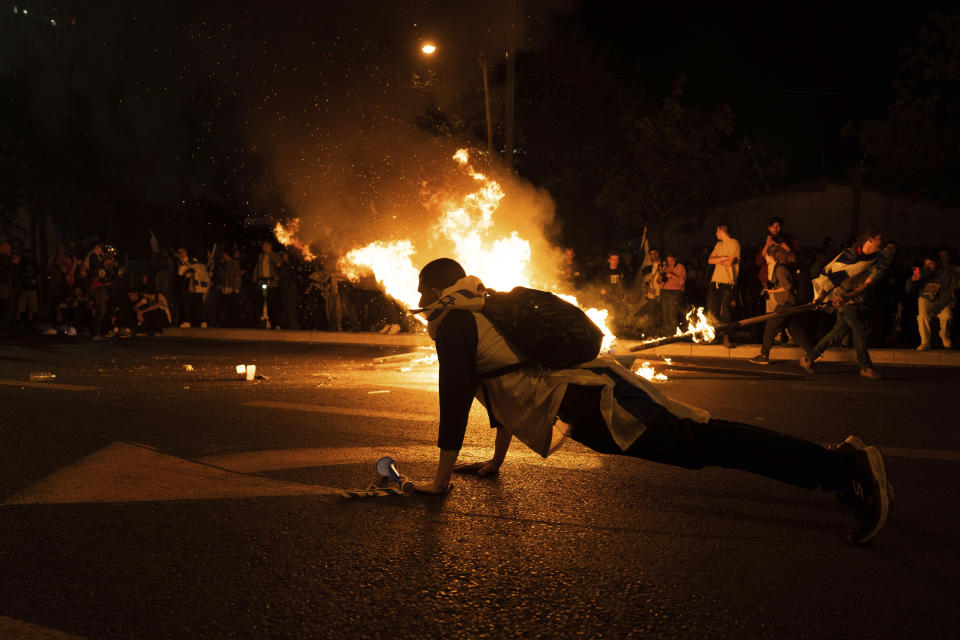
(682, 442)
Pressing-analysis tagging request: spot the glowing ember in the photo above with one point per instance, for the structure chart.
(287, 236)
(647, 371)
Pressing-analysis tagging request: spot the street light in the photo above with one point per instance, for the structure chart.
(429, 49)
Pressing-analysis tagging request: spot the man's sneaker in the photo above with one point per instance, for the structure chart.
(870, 372)
(184, 325)
(126, 332)
(867, 493)
(807, 365)
(760, 359)
(923, 347)
(856, 444)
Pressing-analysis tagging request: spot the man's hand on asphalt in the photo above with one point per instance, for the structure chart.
(482, 469)
(432, 488)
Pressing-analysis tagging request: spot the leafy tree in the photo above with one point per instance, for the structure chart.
(916, 147)
(676, 165)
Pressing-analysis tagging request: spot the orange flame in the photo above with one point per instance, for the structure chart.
(500, 260)
(647, 371)
(287, 236)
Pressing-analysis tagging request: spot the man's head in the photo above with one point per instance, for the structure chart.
(569, 254)
(944, 255)
(654, 256)
(98, 249)
(267, 246)
(133, 295)
(929, 264)
(671, 259)
(775, 226)
(436, 276)
(870, 241)
(777, 254)
(182, 254)
(723, 231)
(613, 260)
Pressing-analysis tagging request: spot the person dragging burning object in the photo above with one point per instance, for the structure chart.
(532, 362)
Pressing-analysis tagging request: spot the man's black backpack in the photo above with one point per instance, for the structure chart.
(543, 329)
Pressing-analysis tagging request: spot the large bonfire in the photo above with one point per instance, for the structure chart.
(477, 240)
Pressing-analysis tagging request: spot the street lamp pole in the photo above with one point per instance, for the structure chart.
(509, 99)
(486, 101)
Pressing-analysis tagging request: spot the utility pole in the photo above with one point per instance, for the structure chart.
(508, 100)
(486, 100)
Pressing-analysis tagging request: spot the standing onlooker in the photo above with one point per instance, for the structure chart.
(570, 271)
(934, 285)
(266, 274)
(856, 269)
(198, 282)
(782, 289)
(28, 283)
(726, 260)
(775, 238)
(8, 303)
(231, 286)
(95, 270)
(947, 262)
(289, 292)
(673, 281)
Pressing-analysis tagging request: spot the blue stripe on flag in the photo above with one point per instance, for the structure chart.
(836, 277)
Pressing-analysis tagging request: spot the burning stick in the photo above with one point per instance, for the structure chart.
(726, 328)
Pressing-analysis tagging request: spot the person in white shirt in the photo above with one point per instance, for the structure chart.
(725, 259)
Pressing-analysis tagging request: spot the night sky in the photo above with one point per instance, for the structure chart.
(190, 101)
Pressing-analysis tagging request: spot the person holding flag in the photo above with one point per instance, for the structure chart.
(843, 283)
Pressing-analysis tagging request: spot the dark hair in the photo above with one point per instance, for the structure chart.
(441, 273)
(866, 234)
(778, 253)
(670, 254)
(775, 220)
(724, 226)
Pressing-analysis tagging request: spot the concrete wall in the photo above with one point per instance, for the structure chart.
(815, 210)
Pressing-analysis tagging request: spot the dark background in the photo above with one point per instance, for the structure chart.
(191, 118)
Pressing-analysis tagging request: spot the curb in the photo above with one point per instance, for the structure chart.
(898, 357)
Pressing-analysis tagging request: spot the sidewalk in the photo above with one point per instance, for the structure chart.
(899, 357)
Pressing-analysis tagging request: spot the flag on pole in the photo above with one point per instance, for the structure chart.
(847, 271)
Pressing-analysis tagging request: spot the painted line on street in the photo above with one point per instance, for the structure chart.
(884, 390)
(48, 385)
(921, 454)
(13, 628)
(346, 411)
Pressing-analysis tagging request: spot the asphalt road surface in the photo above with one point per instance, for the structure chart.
(148, 492)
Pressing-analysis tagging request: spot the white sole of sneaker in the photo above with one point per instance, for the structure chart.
(858, 444)
(880, 475)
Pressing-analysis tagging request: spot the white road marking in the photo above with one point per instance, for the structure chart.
(882, 390)
(346, 411)
(13, 628)
(56, 386)
(920, 454)
(124, 472)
